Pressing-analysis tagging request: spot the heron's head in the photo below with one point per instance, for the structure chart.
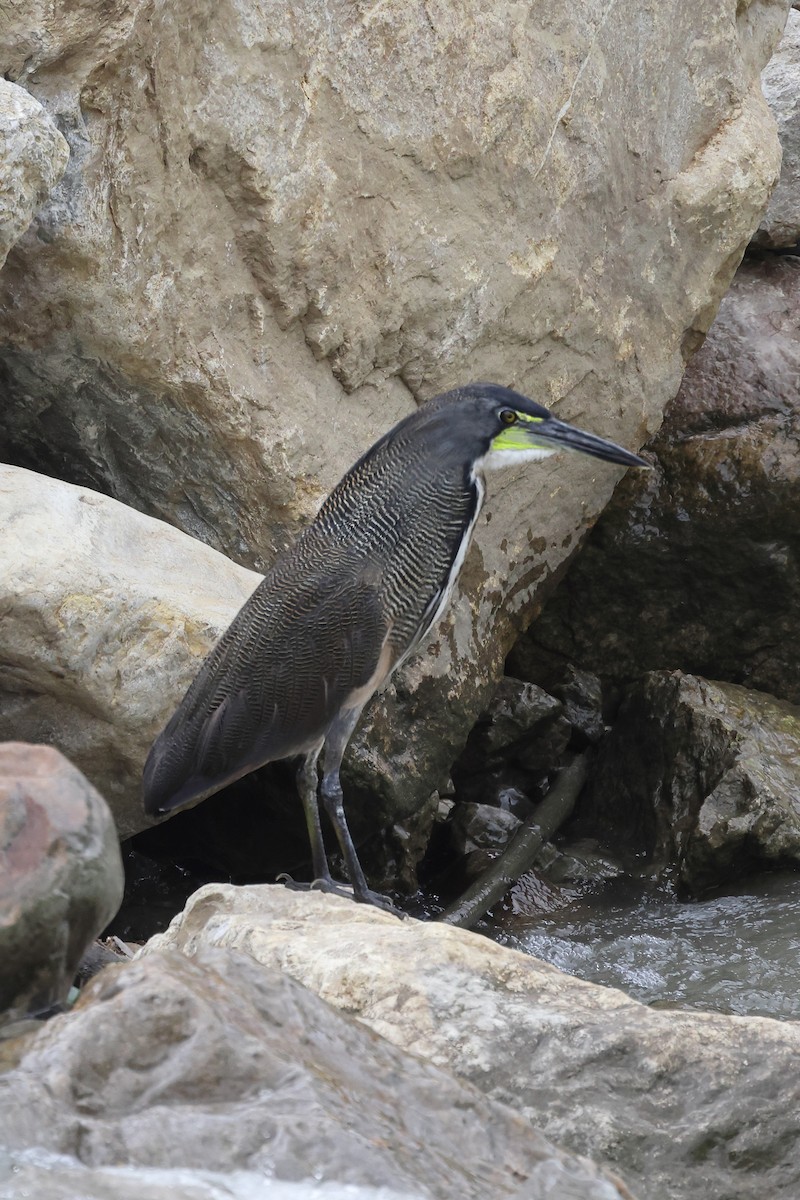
(504, 427)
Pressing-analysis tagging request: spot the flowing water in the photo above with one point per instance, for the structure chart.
(737, 953)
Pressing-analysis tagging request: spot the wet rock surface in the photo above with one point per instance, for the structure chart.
(680, 1104)
(512, 757)
(512, 750)
(478, 833)
(60, 876)
(695, 565)
(522, 725)
(215, 1063)
(699, 778)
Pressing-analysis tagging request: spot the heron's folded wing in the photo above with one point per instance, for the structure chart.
(273, 683)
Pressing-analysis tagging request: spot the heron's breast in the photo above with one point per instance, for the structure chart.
(386, 663)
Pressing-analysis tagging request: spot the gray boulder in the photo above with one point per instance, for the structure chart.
(701, 778)
(61, 880)
(217, 1064)
(681, 1104)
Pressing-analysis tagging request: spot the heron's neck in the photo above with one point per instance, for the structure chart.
(494, 459)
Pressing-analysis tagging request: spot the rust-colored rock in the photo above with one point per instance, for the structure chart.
(61, 875)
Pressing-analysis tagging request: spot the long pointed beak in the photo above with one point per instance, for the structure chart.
(561, 436)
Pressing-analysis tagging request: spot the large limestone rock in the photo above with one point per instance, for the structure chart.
(220, 1065)
(694, 565)
(682, 1104)
(33, 156)
(61, 877)
(106, 616)
(283, 226)
(781, 82)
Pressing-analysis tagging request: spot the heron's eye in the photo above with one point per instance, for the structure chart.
(508, 416)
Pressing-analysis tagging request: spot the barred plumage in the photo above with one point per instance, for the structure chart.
(334, 616)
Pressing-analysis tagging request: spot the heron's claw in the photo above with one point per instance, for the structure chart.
(381, 902)
(316, 885)
(331, 887)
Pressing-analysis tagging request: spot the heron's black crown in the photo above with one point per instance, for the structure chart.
(459, 426)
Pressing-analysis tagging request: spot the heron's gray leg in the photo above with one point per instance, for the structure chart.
(308, 786)
(331, 793)
(336, 740)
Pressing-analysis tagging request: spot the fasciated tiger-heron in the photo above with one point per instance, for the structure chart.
(347, 604)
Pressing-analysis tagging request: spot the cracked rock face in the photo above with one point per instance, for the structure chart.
(282, 227)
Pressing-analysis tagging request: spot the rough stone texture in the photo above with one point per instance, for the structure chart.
(477, 833)
(218, 1064)
(780, 79)
(519, 714)
(106, 616)
(33, 157)
(61, 876)
(695, 565)
(282, 227)
(681, 1104)
(581, 693)
(701, 778)
(518, 739)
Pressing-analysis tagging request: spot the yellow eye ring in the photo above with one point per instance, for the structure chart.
(508, 416)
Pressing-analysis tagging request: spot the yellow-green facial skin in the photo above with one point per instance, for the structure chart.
(518, 436)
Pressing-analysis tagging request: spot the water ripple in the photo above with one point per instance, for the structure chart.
(736, 953)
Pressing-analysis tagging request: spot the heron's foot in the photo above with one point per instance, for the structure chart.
(322, 884)
(367, 896)
(332, 888)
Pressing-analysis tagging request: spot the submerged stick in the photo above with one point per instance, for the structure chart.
(520, 854)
